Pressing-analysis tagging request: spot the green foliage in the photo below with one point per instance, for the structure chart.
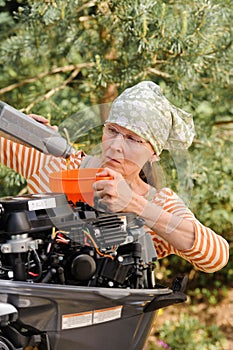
(188, 333)
(10, 182)
(185, 44)
(213, 174)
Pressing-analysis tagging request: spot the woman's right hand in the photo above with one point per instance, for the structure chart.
(43, 120)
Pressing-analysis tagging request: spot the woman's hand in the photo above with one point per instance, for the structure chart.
(43, 120)
(113, 195)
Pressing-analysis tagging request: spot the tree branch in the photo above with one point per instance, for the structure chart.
(45, 74)
(223, 122)
(53, 91)
(158, 73)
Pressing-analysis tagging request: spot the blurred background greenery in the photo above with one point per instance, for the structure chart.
(57, 56)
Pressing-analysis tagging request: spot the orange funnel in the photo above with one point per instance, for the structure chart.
(76, 184)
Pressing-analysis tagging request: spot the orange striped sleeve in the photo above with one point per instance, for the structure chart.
(33, 165)
(24, 160)
(39, 180)
(210, 251)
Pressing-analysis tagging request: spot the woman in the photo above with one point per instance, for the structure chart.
(141, 123)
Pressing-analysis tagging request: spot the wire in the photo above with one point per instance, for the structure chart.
(59, 237)
(38, 264)
(87, 233)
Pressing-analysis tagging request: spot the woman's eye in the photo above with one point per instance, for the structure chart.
(132, 139)
(113, 131)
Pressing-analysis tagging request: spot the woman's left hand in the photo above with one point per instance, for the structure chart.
(112, 195)
(43, 120)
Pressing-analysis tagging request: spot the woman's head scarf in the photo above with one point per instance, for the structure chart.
(144, 110)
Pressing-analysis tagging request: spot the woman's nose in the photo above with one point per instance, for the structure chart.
(117, 142)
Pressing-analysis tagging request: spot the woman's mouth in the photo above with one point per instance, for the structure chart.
(112, 160)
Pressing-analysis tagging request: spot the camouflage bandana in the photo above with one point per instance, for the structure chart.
(144, 110)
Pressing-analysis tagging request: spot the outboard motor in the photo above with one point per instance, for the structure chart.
(66, 270)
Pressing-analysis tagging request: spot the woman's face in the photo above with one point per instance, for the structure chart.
(123, 150)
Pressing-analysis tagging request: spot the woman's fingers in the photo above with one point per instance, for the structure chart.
(114, 194)
(43, 120)
(108, 172)
(39, 118)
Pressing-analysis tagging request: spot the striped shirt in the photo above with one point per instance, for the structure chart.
(209, 253)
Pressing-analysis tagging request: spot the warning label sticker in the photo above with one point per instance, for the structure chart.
(89, 318)
(106, 315)
(76, 320)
